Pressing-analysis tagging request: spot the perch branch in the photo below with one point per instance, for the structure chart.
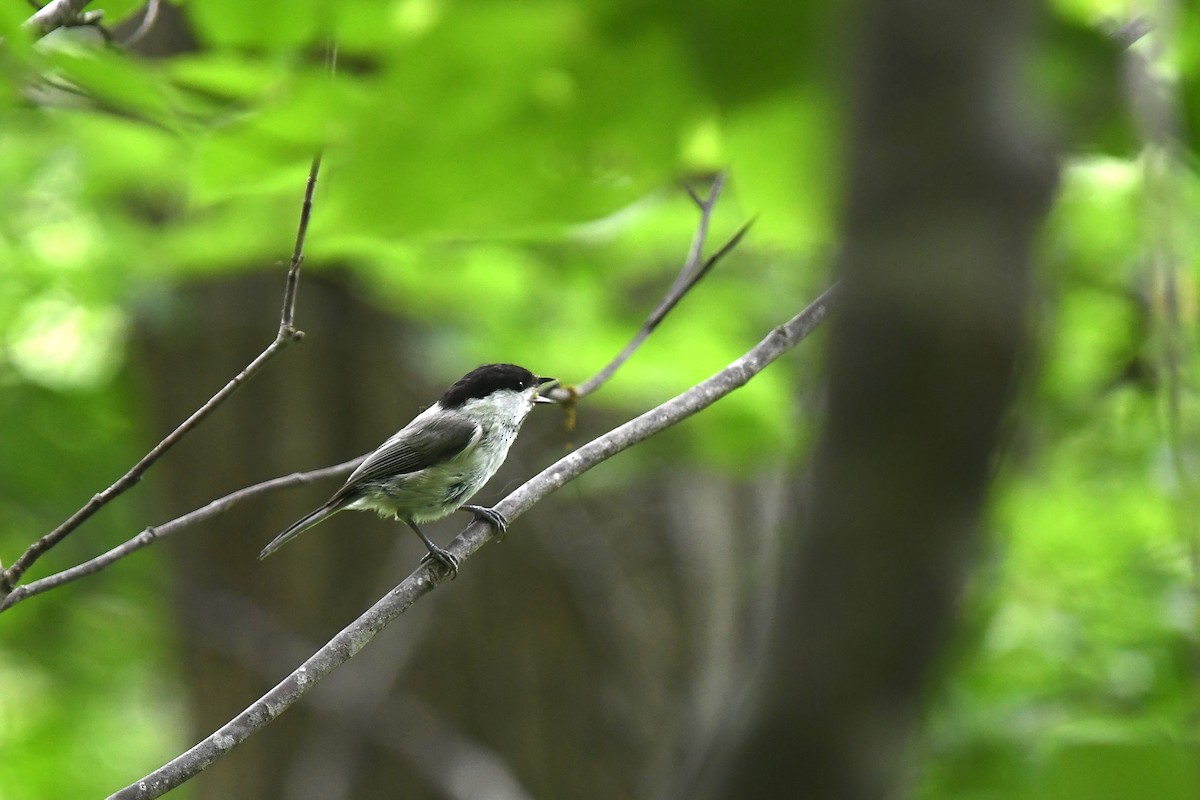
(357, 634)
(286, 335)
(401, 723)
(54, 14)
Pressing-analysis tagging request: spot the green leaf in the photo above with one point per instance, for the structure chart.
(1122, 770)
(265, 25)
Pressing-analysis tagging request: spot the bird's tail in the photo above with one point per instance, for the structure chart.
(298, 527)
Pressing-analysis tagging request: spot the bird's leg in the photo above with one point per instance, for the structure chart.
(444, 557)
(492, 517)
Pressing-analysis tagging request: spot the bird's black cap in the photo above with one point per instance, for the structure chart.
(482, 381)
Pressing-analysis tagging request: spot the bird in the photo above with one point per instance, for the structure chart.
(434, 464)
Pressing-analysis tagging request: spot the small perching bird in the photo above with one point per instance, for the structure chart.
(435, 463)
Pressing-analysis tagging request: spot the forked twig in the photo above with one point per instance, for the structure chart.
(156, 533)
(286, 334)
(692, 272)
(56, 14)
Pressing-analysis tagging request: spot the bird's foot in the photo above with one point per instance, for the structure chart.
(492, 517)
(443, 557)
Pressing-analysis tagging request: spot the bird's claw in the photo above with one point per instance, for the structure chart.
(492, 517)
(443, 557)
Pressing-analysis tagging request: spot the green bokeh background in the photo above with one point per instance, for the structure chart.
(530, 154)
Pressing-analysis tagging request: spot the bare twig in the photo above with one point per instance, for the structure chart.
(288, 315)
(692, 272)
(149, 17)
(1129, 32)
(55, 14)
(156, 533)
(355, 636)
(286, 335)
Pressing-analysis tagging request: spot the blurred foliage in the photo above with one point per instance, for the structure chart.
(523, 159)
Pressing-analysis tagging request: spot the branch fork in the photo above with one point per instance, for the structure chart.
(287, 334)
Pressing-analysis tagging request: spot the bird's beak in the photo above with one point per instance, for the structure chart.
(545, 383)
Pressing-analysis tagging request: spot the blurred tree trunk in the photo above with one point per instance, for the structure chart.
(947, 187)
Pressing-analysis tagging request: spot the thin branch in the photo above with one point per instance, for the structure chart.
(156, 533)
(1128, 33)
(689, 276)
(692, 272)
(149, 17)
(706, 205)
(13, 574)
(355, 636)
(55, 14)
(293, 275)
(288, 315)
(286, 335)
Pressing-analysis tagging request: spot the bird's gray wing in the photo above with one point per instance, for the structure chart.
(422, 443)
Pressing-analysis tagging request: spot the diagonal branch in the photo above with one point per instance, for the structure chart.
(156, 533)
(286, 335)
(692, 272)
(55, 14)
(357, 634)
(398, 722)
